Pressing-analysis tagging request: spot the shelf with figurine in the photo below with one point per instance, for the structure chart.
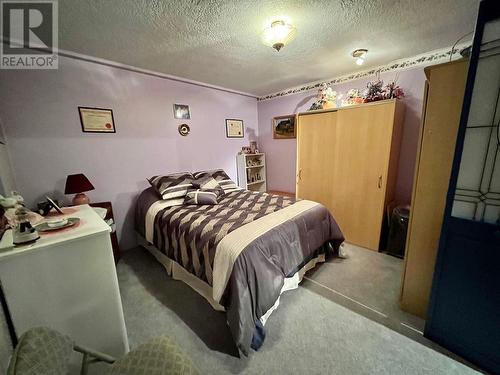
(251, 168)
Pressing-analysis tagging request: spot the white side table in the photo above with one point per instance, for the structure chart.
(67, 281)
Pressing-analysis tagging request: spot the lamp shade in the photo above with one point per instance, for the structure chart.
(278, 34)
(77, 183)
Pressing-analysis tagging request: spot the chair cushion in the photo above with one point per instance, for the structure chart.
(159, 356)
(41, 351)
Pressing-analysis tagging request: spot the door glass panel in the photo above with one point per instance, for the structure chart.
(477, 196)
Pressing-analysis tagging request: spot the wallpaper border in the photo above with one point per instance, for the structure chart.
(425, 59)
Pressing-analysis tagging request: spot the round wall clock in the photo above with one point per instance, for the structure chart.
(184, 129)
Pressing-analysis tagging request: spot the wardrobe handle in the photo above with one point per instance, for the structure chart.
(300, 174)
(380, 182)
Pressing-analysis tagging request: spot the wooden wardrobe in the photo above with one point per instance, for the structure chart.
(347, 160)
(445, 88)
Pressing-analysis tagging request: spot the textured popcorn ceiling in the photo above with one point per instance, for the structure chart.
(218, 42)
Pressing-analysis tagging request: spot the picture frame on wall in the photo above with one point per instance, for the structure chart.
(181, 111)
(284, 127)
(234, 128)
(97, 120)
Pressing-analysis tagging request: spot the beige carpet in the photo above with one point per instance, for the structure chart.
(370, 279)
(310, 333)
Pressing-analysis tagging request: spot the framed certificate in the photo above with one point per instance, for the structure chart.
(234, 128)
(97, 120)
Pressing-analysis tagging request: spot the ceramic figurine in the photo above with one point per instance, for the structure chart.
(8, 202)
(253, 147)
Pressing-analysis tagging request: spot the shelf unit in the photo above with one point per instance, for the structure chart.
(251, 170)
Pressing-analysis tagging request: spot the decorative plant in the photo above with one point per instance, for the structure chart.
(374, 91)
(326, 95)
(353, 96)
(393, 91)
(329, 95)
(377, 91)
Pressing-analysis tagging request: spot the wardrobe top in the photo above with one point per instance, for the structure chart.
(380, 102)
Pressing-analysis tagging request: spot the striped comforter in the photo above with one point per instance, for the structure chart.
(244, 247)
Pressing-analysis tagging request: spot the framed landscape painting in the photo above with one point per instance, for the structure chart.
(284, 127)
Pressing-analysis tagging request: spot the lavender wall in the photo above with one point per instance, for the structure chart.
(40, 116)
(281, 154)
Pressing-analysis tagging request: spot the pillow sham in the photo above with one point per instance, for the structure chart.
(204, 196)
(221, 177)
(206, 183)
(173, 185)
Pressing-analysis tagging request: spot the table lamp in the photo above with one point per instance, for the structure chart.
(78, 184)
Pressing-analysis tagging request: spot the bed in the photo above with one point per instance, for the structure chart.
(241, 253)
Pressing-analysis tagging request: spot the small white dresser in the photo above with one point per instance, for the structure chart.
(67, 281)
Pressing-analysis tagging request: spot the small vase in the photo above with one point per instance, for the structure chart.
(329, 105)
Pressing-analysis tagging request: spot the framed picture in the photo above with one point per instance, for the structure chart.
(234, 128)
(55, 205)
(284, 127)
(97, 120)
(181, 111)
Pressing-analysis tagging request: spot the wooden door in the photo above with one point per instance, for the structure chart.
(362, 151)
(432, 175)
(315, 137)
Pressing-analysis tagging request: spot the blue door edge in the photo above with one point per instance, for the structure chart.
(488, 10)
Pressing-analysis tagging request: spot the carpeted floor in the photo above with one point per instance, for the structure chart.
(372, 281)
(314, 330)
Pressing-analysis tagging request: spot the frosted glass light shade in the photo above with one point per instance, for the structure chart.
(278, 35)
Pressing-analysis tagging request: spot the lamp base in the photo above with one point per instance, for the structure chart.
(80, 198)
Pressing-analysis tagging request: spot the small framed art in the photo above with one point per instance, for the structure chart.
(181, 111)
(284, 127)
(97, 120)
(234, 128)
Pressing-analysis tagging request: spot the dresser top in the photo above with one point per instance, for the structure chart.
(90, 224)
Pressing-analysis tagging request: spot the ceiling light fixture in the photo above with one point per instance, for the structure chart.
(360, 55)
(279, 34)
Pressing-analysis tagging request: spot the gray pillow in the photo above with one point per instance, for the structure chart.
(204, 196)
(221, 177)
(173, 185)
(206, 183)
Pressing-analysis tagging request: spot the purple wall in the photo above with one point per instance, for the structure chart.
(281, 153)
(40, 116)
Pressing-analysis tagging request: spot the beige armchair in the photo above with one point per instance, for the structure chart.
(43, 351)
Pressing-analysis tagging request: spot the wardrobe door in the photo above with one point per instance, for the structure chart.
(363, 147)
(436, 149)
(315, 136)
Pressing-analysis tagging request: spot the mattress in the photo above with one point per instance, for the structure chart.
(243, 248)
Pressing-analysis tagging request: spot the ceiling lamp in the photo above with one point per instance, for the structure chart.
(360, 56)
(279, 34)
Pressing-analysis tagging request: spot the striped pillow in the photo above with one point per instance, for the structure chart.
(206, 183)
(173, 185)
(221, 177)
(203, 196)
